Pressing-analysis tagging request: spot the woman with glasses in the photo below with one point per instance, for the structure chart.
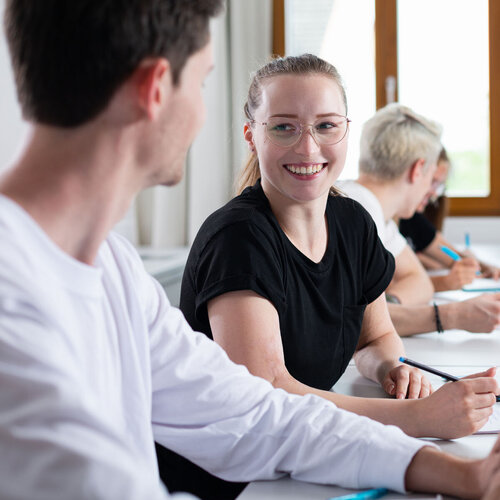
(289, 276)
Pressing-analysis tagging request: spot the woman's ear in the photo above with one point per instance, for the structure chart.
(248, 135)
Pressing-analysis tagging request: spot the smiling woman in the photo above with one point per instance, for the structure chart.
(289, 276)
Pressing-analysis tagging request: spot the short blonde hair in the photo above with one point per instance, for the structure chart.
(394, 138)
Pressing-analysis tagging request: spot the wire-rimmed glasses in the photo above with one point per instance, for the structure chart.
(286, 132)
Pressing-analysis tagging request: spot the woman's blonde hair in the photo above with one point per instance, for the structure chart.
(305, 64)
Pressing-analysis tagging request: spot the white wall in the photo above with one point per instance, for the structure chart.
(480, 229)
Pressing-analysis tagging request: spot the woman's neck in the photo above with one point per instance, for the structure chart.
(304, 223)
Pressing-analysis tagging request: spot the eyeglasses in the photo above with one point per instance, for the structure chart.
(437, 190)
(286, 132)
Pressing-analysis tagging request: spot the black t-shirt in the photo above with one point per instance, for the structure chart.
(418, 231)
(320, 305)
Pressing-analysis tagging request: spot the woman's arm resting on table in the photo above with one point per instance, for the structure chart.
(378, 352)
(246, 325)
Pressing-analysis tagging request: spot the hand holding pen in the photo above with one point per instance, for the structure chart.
(457, 409)
(487, 270)
(463, 271)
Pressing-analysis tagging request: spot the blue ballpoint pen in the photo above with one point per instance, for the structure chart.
(450, 253)
(467, 241)
(454, 255)
(375, 493)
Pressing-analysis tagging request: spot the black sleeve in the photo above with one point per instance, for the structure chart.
(418, 231)
(379, 265)
(241, 256)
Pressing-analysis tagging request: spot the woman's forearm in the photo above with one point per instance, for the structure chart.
(377, 358)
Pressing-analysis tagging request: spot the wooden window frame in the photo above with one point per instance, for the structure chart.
(386, 64)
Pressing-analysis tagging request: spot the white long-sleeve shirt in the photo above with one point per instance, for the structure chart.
(95, 364)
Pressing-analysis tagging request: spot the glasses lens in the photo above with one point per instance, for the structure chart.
(331, 130)
(283, 131)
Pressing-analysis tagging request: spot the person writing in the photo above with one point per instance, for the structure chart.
(426, 239)
(398, 156)
(94, 361)
(289, 276)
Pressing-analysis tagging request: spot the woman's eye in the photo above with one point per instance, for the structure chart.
(284, 127)
(326, 125)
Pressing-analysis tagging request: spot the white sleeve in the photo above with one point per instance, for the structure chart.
(53, 445)
(238, 427)
(394, 241)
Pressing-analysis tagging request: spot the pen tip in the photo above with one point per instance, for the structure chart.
(401, 359)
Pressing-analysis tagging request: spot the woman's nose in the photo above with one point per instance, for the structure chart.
(307, 142)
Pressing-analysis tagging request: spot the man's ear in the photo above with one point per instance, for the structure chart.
(416, 170)
(154, 84)
(248, 135)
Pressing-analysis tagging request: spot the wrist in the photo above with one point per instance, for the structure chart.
(448, 315)
(415, 418)
(384, 369)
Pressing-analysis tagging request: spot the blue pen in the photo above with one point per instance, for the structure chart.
(450, 253)
(467, 241)
(454, 255)
(376, 493)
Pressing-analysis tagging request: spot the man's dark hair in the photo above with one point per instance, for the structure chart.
(70, 56)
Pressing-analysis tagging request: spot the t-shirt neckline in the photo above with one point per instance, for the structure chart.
(326, 260)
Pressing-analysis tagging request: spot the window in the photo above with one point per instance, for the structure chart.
(440, 57)
(326, 30)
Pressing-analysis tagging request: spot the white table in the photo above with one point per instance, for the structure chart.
(454, 350)
(353, 383)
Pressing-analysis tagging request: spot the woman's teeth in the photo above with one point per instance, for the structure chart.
(309, 170)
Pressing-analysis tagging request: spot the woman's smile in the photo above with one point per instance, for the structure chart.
(305, 171)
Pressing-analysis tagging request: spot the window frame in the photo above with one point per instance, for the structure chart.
(386, 64)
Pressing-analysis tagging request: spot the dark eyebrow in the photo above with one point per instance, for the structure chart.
(322, 115)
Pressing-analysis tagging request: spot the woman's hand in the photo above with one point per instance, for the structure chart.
(459, 408)
(406, 381)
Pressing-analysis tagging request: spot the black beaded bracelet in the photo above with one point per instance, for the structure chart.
(439, 325)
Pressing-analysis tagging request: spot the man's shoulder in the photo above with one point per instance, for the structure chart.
(18, 251)
(358, 192)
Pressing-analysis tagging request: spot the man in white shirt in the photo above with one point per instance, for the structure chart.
(398, 157)
(94, 361)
